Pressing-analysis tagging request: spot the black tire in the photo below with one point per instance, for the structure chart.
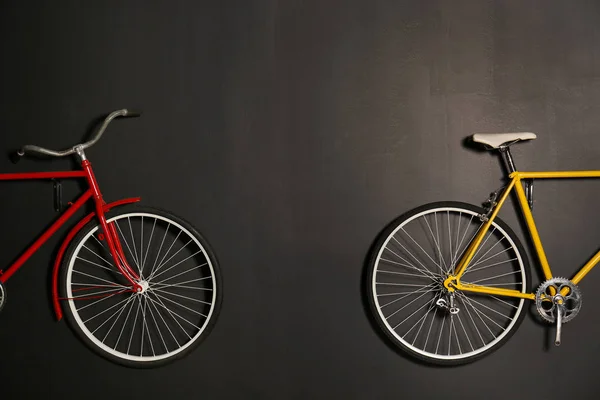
(197, 298)
(397, 261)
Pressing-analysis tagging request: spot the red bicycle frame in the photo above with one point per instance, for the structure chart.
(101, 207)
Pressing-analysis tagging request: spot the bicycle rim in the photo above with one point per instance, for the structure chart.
(416, 253)
(179, 297)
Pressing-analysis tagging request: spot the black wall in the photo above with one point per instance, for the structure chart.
(290, 133)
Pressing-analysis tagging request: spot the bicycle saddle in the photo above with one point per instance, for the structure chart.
(496, 140)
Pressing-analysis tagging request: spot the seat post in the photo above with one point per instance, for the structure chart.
(507, 158)
(510, 166)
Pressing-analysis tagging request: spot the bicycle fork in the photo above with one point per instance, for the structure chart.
(114, 244)
(110, 233)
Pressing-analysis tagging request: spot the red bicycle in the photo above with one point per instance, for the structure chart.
(139, 286)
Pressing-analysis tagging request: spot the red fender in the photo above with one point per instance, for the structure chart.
(67, 241)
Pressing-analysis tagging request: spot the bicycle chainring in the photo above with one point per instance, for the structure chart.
(548, 298)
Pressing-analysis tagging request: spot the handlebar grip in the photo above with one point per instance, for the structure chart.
(16, 156)
(131, 113)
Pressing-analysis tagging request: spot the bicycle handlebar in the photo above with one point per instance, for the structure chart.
(32, 149)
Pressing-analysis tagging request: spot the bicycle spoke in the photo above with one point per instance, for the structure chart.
(142, 248)
(127, 244)
(423, 290)
(400, 273)
(480, 314)
(179, 304)
(456, 336)
(418, 245)
(423, 319)
(119, 311)
(97, 278)
(495, 277)
(114, 285)
(185, 272)
(489, 308)
(504, 302)
(137, 311)
(437, 245)
(427, 274)
(437, 233)
(430, 326)
(137, 260)
(152, 303)
(97, 255)
(97, 265)
(93, 294)
(468, 242)
(181, 285)
(491, 265)
(102, 312)
(131, 298)
(413, 313)
(482, 259)
(481, 246)
(453, 254)
(406, 305)
(172, 314)
(450, 333)
(181, 296)
(173, 266)
(449, 236)
(462, 240)
(146, 329)
(472, 320)
(156, 325)
(160, 249)
(166, 254)
(440, 337)
(149, 243)
(125, 322)
(465, 331)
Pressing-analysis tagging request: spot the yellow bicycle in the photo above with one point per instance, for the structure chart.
(447, 281)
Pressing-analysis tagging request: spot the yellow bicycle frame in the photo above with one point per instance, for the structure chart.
(453, 282)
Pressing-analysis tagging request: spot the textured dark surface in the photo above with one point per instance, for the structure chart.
(290, 133)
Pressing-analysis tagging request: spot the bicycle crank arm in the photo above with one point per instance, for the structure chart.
(559, 313)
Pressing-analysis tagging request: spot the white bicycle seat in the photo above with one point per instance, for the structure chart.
(496, 140)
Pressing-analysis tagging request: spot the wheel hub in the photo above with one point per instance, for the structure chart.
(143, 286)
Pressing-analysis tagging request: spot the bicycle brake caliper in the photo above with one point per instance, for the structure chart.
(490, 203)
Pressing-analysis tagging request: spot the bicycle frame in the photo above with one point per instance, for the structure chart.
(453, 282)
(93, 192)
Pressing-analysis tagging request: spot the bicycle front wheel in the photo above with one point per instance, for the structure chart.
(181, 297)
(408, 265)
